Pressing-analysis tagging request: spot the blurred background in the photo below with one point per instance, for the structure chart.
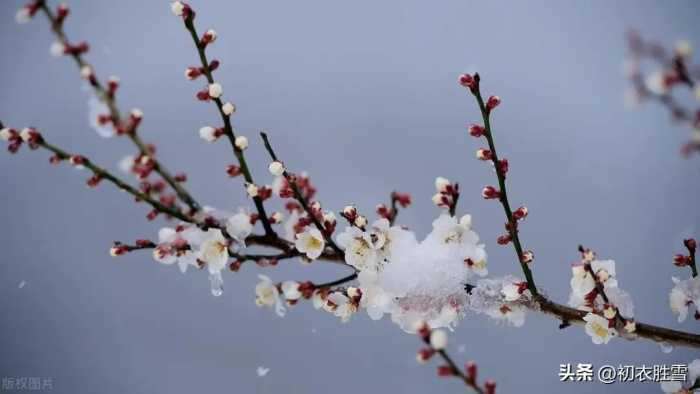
(363, 95)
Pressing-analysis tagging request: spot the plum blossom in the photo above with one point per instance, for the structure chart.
(310, 242)
(176, 244)
(239, 226)
(684, 293)
(267, 295)
(340, 305)
(584, 295)
(599, 328)
(213, 250)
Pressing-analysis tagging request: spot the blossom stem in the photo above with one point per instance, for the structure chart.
(513, 224)
(458, 372)
(692, 262)
(104, 174)
(109, 100)
(647, 331)
(300, 198)
(228, 129)
(337, 282)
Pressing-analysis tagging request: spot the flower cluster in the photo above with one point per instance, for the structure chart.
(502, 299)
(594, 288)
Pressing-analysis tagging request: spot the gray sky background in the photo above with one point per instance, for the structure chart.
(363, 95)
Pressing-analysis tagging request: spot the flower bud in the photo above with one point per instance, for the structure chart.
(445, 370)
(360, 221)
(467, 81)
(493, 102)
(476, 130)
(252, 190)
(215, 90)
(210, 134)
(208, 37)
(58, 49)
(503, 239)
(276, 168)
(691, 244)
(228, 109)
(441, 184)
(484, 154)
(192, 73)
(680, 260)
(520, 213)
(471, 370)
(241, 142)
(490, 192)
(177, 8)
(438, 339)
(233, 170)
(77, 160)
(490, 387)
(424, 355)
(527, 256)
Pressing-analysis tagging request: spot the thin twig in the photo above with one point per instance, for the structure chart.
(228, 129)
(300, 198)
(109, 100)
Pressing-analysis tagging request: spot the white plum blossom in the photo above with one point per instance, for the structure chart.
(340, 305)
(176, 245)
(583, 285)
(599, 328)
(684, 293)
(208, 133)
(310, 242)
(213, 250)
(267, 295)
(290, 289)
(238, 226)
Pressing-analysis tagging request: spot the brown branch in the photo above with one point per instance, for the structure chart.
(228, 129)
(512, 223)
(109, 99)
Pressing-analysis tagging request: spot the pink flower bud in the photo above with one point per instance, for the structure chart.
(490, 192)
(467, 81)
(527, 256)
(493, 102)
(503, 239)
(490, 387)
(520, 213)
(680, 260)
(484, 154)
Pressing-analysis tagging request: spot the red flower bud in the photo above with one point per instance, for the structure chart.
(490, 387)
(470, 368)
(681, 261)
(445, 370)
(520, 213)
(403, 199)
(493, 102)
(476, 130)
(467, 81)
(503, 239)
(490, 192)
(233, 170)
